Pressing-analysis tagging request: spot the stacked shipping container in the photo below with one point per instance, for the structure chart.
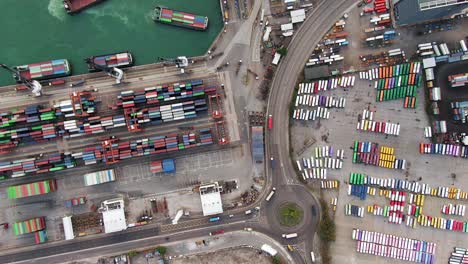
(178, 18)
(391, 246)
(444, 149)
(31, 189)
(93, 155)
(368, 153)
(29, 226)
(44, 70)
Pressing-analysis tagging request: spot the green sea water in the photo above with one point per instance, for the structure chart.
(39, 30)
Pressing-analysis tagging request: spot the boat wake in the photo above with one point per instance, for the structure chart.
(98, 13)
(56, 9)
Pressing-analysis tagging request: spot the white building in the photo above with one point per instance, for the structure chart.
(113, 215)
(68, 228)
(298, 16)
(210, 195)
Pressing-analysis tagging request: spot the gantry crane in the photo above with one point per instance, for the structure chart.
(33, 85)
(215, 106)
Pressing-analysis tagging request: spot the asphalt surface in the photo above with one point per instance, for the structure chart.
(318, 22)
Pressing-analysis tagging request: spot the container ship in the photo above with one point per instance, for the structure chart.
(181, 19)
(43, 70)
(75, 6)
(118, 60)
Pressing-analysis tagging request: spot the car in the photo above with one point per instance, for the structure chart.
(231, 216)
(248, 229)
(314, 211)
(217, 232)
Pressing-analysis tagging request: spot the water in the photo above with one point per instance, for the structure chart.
(40, 30)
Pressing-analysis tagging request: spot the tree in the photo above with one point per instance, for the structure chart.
(132, 253)
(276, 260)
(282, 51)
(162, 250)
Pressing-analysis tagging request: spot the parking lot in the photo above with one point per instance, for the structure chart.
(340, 132)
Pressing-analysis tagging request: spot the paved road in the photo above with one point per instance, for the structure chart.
(318, 22)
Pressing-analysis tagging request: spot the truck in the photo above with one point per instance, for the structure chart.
(271, 194)
(291, 235)
(270, 122)
(312, 256)
(215, 219)
(217, 232)
(268, 249)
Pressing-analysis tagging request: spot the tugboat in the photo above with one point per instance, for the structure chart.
(178, 18)
(75, 6)
(114, 60)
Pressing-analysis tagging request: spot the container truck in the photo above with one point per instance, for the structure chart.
(271, 194)
(270, 122)
(289, 236)
(268, 249)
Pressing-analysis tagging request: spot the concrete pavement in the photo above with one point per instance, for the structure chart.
(318, 22)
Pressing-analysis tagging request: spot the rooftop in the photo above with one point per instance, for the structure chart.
(113, 215)
(210, 195)
(410, 12)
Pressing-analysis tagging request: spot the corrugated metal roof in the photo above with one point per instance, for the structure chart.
(408, 12)
(258, 152)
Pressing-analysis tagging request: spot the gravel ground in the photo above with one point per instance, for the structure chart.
(231, 256)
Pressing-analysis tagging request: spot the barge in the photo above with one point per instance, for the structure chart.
(114, 60)
(178, 18)
(43, 70)
(75, 6)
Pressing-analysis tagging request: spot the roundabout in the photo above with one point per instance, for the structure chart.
(290, 214)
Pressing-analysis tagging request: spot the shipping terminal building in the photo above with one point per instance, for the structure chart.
(412, 12)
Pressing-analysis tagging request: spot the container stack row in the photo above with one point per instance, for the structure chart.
(442, 223)
(331, 184)
(454, 209)
(354, 210)
(459, 256)
(29, 226)
(320, 100)
(444, 149)
(156, 166)
(369, 153)
(390, 246)
(31, 189)
(319, 113)
(28, 115)
(366, 123)
(359, 191)
(397, 205)
(459, 111)
(99, 177)
(325, 85)
(404, 185)
(47, 163)
(120, 151)
(164, 93)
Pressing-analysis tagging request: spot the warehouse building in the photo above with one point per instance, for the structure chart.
(210, 195)
(411, 12)
(113, 215)
(258, 152)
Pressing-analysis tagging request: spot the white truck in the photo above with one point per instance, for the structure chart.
(291, 235)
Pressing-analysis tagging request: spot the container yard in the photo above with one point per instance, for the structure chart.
(95, 139)
(415, 186)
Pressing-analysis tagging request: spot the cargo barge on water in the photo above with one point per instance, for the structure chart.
(178, 18)
(43, 70)
(114, 60)
(75, 6)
